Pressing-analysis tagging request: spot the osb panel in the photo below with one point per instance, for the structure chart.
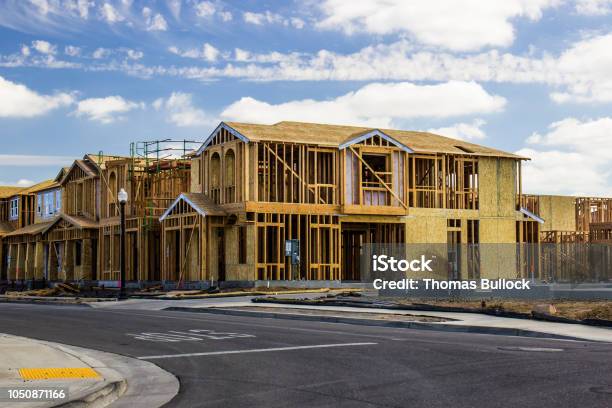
(497, 231)
(196, 182)
(442, 212)
(334, 135)
(497, 197)
(426, 230)
(558, 212)
(498, 262)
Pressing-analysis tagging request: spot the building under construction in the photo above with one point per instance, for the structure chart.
(82, 241)
(297, 201)
(330, 190)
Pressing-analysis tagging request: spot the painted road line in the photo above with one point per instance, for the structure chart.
(217, 353)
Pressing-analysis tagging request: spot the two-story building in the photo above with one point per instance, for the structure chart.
(335, 189)
(9, 220)
(84, 240)
(30, 211)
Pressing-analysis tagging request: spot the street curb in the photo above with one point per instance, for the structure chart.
(503, 331)
(99, 398)
(143, 382)
(130, 381)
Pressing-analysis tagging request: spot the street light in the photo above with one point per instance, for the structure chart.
(123, 197)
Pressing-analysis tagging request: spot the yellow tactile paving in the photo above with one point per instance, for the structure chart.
(58, 373)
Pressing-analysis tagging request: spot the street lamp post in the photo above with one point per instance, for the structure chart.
(123, 197)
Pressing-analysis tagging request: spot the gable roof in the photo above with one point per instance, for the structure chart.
(43, 185)
(9, 191)
(31, 229)
(89, 168)
(198, 201)
(61, 174)
(337, 136)
(78, 221)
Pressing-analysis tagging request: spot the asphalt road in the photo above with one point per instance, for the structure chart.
(230, 361)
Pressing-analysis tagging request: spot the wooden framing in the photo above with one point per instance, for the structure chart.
(250, 188)
(285, 189)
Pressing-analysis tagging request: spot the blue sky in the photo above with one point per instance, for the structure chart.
(533, 77)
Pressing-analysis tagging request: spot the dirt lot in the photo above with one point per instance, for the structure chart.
(596, 309)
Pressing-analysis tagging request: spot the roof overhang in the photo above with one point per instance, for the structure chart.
(76, 163)
(182, 197)
(225, 126)
(531, 215)
(372, 133)
(71, 220)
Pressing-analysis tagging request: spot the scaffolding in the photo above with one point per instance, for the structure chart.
(159, 171)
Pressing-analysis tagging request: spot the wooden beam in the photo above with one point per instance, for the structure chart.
(378, 177)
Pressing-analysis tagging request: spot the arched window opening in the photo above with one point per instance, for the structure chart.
(112, 194)
(215, 177)
(230, 176)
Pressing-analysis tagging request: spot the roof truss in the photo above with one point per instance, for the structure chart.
(186, 199)
(229, 129)
(372, 133)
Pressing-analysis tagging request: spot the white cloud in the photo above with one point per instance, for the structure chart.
(175, 7)
(42, 5)
(573, 157)
(457, 25)
(594, 7)
(463, 131)
(72, 51)
(25, 50)
(207, 52)
(154, 22)
(226, 16)
(82, 7)
(585, 69)
(297, 22)
(17, 101)
(580, 74)
(205, 9)
(376, 104)
(44, 47)
(181, 111)
(263, 18)
(25, 160)
(100, 53)
(110, 14)
(133, 54)
(24, 183)
(18, 183)
(105, 110)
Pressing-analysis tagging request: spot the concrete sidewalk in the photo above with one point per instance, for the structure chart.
(461, 321)
(469, 321)
(120, 381)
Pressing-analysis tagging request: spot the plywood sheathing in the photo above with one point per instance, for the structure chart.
(335, 135)
(558, 212)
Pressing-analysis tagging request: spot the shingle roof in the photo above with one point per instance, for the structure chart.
(336, 135)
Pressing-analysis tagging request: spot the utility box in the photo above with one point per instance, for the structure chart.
(292, 249)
